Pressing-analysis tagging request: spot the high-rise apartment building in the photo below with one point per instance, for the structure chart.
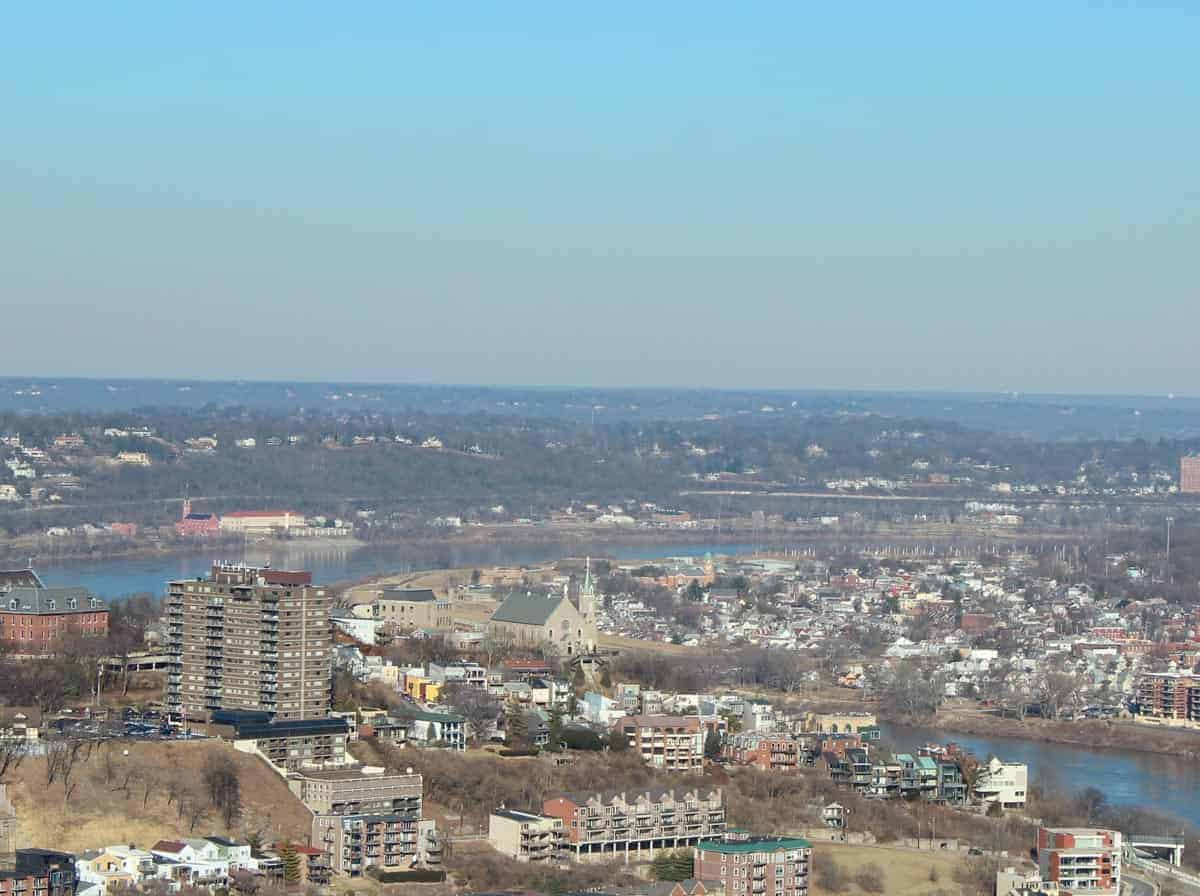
(1189, 474)
(249, 638)
(1081, 860)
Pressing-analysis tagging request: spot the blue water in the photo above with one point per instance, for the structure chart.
(117, 578)
(1155, 781)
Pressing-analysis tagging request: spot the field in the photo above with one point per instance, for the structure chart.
(126, 798)
(906, 872)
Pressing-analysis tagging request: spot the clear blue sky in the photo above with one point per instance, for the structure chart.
(948, 195)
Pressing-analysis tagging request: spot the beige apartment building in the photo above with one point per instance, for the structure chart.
(249, 639)
(674, 743)
(355, 790)
(527, 837)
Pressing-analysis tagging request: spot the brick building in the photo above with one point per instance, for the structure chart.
(1172, 698)
(196, 525)
(749, 866)
(641, 821)
(774, 752)
(39, 872)
(37, 619)
(1081, 860)
(1189, 474)
(674, 743)
(249, 638)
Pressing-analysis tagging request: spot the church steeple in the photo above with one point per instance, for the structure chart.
(587, 594)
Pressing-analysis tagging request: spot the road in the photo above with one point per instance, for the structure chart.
(1135, 886)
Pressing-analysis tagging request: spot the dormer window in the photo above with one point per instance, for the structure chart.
(14, 604)
(50, 604)
(72, 603)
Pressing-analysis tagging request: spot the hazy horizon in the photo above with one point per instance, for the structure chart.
(931, 198)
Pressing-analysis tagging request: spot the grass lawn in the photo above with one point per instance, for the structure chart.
(906, 872)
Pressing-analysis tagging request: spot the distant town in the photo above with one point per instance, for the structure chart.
(830, 680)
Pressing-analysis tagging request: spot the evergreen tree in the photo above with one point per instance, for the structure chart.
(617, 741)
(517, 729)
(606, 678)
(556, 730)
(712, 745)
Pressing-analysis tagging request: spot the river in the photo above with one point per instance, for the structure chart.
(121, 577)
(1155, 781)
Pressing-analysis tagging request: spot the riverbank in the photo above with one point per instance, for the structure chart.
(1090, 733)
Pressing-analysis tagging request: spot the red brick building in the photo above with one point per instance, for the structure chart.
(37, 619)
(1081, 860)
(755, 866)
(196, 525)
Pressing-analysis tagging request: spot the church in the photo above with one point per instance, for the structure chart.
(533, 619)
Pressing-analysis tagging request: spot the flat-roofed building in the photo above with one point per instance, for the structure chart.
(747, 866)
(1004, 783)
(527, 837)
(356, 790)
(1081, 860)
(249, 638)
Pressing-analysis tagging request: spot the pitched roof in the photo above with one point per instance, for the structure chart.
(527, 609)
(50, 600)
(22, 578)
(168, 846)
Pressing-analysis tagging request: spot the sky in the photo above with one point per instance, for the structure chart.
(960, 196)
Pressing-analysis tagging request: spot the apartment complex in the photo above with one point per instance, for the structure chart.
(1172, 698)
(37, 619)
(755, 866)
(39, 872)
(391, 841)
(1189, 474)
(1081, 860)
(674, 743)
(638, 821)
(365, 817)
(249, 638)
(351, 791)
(769, 752)
(527, 837)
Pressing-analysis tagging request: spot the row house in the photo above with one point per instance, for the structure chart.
(643, 821)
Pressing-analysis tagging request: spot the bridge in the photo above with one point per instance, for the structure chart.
(1158, 844)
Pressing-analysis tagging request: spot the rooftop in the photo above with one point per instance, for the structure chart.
(753, 844)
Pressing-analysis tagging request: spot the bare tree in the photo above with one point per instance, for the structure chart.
(13, 751)
(479, 709)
